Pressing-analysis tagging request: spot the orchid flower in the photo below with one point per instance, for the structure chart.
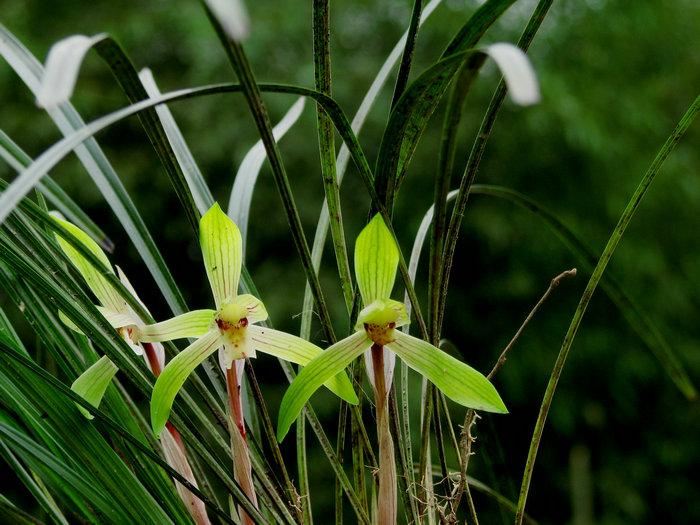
(232, 330)
(376, 262)
(93, 383)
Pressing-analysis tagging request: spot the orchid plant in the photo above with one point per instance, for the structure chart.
(231, 329)
(376, 262)
(92, 384)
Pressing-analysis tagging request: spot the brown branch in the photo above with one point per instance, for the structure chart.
(466, 437)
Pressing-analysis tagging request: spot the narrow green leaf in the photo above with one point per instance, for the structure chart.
(638, 319)
(195, 180)
(298, 351)
(18, 160)
(98, 167)
(331, 362)
(412, 112)
(33, 485)
(247, 174)
(192, 324)
(175, 374)
(613, 241)
(92, 384)
(458, 381)
(253, 95)
(222, 250)
(344, 157)
(376, 260)
(43, 460)
(62, 68)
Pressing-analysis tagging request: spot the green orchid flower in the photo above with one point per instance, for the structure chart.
(94, 381)
(376, 262)
(92, 384)
(376, 335)
(231, 328)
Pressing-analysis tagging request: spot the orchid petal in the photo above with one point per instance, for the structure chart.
(376, 260)
(329, 363)
(174, 375)
(389, 360)
(222, 249)
(191, 324)
(92, 384)
(236, 347)
(94, 277)
(299, 351)
(256, 308)
(458, 381)
(383, 312)
(117, 319)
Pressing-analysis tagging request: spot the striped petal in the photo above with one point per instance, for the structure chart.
(191, 324)
(170, 381)
(376, 260)
(222, 249)
(328, 364)
(298, 351)
(92, 384)
(458, 381)
(94, 277)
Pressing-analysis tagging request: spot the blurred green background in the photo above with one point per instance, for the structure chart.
(621, 444)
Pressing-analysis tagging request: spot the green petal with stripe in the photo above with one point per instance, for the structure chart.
(298, 351)
(329, 363)
(94, 277)
(376, 260)
(191, 324)
(174, 375)
(222, 249)
(92, 384)
(458, 381)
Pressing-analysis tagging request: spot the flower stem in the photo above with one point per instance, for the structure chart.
(152, 358)
(386, 508)
(242, 470)
(176, 454)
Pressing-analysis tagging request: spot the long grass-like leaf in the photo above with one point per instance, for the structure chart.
(98, 167)
(232, 16)
(477, 151)
(613, 241)
(413, 110)
(195, 180)
(344, 157)
(62, 68)
(18, 160)
(326, 142)
(247, 174)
